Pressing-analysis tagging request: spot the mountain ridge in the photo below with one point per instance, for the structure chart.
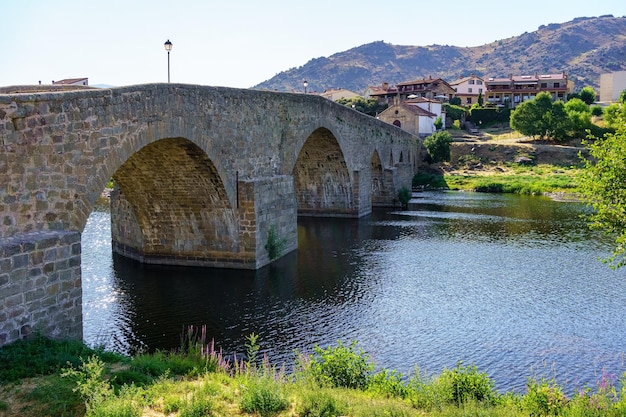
(583, 48)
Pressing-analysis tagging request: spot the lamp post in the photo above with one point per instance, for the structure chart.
(168, 47)
(306, 84)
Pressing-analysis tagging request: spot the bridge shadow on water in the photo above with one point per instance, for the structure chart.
(157, 303)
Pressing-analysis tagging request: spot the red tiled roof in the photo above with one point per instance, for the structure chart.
(417, 110)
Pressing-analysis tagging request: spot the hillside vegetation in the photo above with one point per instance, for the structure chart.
(584, 48)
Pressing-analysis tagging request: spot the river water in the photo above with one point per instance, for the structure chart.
(512, 284)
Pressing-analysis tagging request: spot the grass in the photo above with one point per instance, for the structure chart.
(508, 178)
(318, 387)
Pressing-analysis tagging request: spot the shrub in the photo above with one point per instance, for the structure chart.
(404, 196)
(389, 384)
(438, 146)
(275, 245)
(319, 404)
(264, 396)
(340, 366)
(197, 407)
(543, 398)
(467, 384)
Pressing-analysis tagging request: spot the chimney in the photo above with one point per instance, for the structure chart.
(386, 86)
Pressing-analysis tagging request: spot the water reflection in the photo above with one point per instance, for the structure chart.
(509, 283)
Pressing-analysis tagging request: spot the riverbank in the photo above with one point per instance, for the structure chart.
(503, 162)
(43, 377)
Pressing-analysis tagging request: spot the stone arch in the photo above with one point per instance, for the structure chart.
(401, 157)
(170, 203)
(322, 182)
(397, 123)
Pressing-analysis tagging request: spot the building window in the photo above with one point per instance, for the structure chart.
(544, 85)
(557, 85)
(469, 90)
(471, 82)
(480, 90)
(479, 82)
(397, 123)
(469, 100)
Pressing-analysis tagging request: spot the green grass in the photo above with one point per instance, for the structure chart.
(531, 180)
(322, 384)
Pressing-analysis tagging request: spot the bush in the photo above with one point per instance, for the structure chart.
(543, 398)
(341, 366)
(404, 196)
(438, 146)
(264, 396)
(319, 404)
(467, 384)
(389, 384)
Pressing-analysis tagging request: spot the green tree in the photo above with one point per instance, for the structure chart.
(588, 95)
(613, 114)
(369, 106)
(603, 186)
(542, 118)
(622, 97)
(579, 114)
(480, 99)
(438, 146)
(525, 119)
(455, 101)
(438, 123)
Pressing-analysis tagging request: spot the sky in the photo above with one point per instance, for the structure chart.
(241, 43)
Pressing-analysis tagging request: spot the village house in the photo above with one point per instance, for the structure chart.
(468, 89)
(335, 94)
(431, 88)
(611, 86)
(72, 81)
(416, 116)
(511, 91)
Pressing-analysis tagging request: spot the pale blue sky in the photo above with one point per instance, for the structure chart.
(241, 43)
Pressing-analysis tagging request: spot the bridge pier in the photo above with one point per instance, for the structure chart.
(262, 204)
(40, 284)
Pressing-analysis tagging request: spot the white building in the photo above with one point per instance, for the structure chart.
(468, 89)
(611, 86)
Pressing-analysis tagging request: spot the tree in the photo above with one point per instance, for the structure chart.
(613, 114)
(480, 99)
(438, 146)
(368, 106)
(542, 118)
(588, 95)
(603, 185)
(525, 119)
(455, 101)
(438, 123)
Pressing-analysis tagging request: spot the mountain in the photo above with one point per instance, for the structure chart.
(583, 48)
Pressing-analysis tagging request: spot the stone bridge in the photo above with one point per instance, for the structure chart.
(202, 175)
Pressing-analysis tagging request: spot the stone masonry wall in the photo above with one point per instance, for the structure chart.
(40, 286)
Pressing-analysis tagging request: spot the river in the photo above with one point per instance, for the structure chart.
(512, 284)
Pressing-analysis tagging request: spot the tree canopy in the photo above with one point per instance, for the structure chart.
(603, 185)
(368, 106)
(438, 146)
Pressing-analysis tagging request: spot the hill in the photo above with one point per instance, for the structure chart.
(584, 48)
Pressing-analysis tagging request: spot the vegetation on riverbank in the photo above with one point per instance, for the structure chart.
(42, 377)
(506, 178)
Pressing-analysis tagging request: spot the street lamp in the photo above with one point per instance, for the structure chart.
(168, 47)
(306, 84)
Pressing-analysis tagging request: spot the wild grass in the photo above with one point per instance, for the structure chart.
(509, 178)
(335, 381)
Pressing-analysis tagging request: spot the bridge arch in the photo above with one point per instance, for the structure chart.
(322, 182)
(169, 199)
